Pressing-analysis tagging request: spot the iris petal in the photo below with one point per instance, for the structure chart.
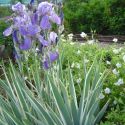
(46, 64)
(34, 18)
(7, 31)
(55, 18)
(15, 38)
(23, 31)
(26, 44)
(33, 29)
(53, 36)
(53, 56)
(44, 8)
(42, 41)
(18, 7)
(45, 24)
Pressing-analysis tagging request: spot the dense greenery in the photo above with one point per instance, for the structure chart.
(110, 56)
(73, 56)
(6, 41)
(104, 16)
(52, 99)
(114, 117)
(5, 11)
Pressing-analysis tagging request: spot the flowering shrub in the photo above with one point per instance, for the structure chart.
(111, 58)
(32, 28)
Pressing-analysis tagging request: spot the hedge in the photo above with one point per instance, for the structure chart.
(104, 16)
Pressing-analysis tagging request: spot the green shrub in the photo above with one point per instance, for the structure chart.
(7, 41)
(117, 16)
(114, 117)
(105, 16)
(5, 11)
(88, 52)
(4, 40)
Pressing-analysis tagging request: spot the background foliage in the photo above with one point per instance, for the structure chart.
(6, 41)
(5, 11)
(104, 16)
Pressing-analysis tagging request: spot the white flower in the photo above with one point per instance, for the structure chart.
(70, 36)
(73, 64)
(90, 41)
(100, 73)
(118, 65)
(78, 52)
(124, 58)
(25, 78)
(115, 72)
(107, 90)
(101, 96)
(78, 65)
(78, 80)
(83, 35)
(115, 40)
(116, 51)
(86, 60)
(37, 49)
(119, 82)
(109, 63)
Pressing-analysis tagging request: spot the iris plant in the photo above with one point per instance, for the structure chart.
(30, 26)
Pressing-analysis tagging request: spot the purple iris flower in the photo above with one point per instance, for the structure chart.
(15, 37)
(17, 21)
(18, 7)
(44, 8)
(8, 31)
(23, 31)
(43, 41)
(45, 23)
(29, 25)
(55, 18)
(52, 37)
(33, 29)
(21, 20)
(26, 44)
(34, 18)
(53, 56)
(29, 29)
(46, 64)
